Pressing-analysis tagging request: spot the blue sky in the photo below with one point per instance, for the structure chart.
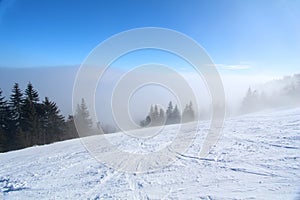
(248, 36)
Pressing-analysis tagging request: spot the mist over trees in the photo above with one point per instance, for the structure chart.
(82, 118)
(172, 115)
(27, 120)
(277, 93)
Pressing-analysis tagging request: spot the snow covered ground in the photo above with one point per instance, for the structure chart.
(257, 157)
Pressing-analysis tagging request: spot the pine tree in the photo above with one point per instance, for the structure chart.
(151, 115)
(16, 118)
(52, 122)
(173, 115)
(4, 113)
(16, 103)
(155, 116)
(70, 131)
(188, 113)
(176, 116)
(4, 122)
(250, 102)
(169, 113)
(83, 121)
(161, 116)
(31, 117)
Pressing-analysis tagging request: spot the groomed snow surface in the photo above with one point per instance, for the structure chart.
(257, 157)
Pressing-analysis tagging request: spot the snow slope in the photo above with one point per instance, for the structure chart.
(258, 157)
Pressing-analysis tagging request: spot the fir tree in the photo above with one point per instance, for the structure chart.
(53, 122)
(155, 116)
(250, 101)
(176, 116)
(4, 122)
(161, 117)
(188, 113)
(82, 118)
(31, 117)
(4, 113)
(70, 131)
(169, 113)
(15, 105)
(16, 119)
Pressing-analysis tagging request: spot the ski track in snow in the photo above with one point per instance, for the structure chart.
(257, 157)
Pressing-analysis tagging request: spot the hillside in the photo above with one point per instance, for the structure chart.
(257, 157)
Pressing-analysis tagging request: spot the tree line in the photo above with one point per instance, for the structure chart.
(286, 93)
(26, 121)
(172, 115)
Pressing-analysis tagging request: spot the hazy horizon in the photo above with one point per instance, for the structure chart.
(57, 84)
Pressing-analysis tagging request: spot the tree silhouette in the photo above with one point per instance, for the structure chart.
(4, 122)
(70, 131)
(16, 119)
(176, 116)
(25, 121)
(82, 117)
(15, 105)
(161, 117)
(188, 114)
(53, 122)
(169, 113)
(31, 118)
(171, 116)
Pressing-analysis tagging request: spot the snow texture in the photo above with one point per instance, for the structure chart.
(257, 157)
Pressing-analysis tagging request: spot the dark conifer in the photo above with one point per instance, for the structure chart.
(14, 137)
(53, 122)
(4, 122)
(31, 117)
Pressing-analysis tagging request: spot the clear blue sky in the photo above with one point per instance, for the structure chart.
(264, 35)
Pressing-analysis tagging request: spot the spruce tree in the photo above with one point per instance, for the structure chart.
(16, 119)
(169, 113)
(4, 122)
(188, 113)
(52, 122)
(161, 116)
(176, 116)
(83, 120)
(155, 117)
(70, 131)
(4, 113)
(31, 117)
(151, 114)
(15, 105)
